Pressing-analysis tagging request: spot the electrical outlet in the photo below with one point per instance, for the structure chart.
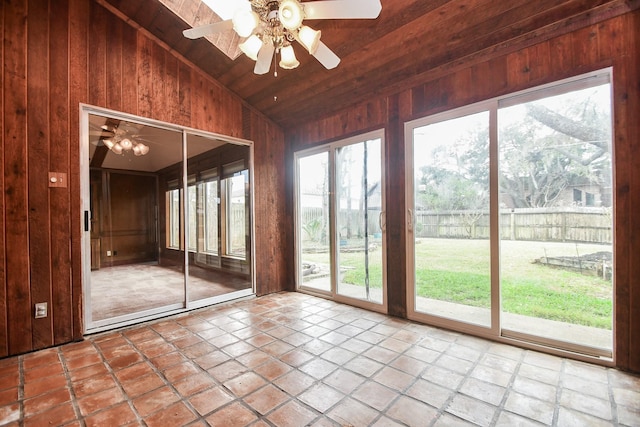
(40, 310)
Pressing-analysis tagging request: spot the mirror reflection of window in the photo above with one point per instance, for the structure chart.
(235, 206)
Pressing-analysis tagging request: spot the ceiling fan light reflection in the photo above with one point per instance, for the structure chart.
(126, 144)
(251, 47)
(309, 38)
(288, 58)
(140, 149)
(244, 22)
(290, 14)
(117, 148)
(109, 143)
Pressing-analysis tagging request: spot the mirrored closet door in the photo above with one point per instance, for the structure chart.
(167, 218)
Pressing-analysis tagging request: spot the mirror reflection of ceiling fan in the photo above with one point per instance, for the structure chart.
(269, 27)
(120, 136)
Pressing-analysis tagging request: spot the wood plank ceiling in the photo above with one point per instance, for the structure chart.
(410, 42)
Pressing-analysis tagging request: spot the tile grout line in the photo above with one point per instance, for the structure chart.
(169, 383)
(99, 351)
(296, 398)
(612, 398)
(21, 386)
(559, 390)
(322, 415)
(74, 400)
(508, 389)
(290, 319)
(238, 399)
(457, 390)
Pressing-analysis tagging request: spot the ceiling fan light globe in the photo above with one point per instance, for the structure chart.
(309, 38)
(109, 143)
(144, 149)
(251, 47)
(288, 59)
(136, 150)
(126, 144)
(290, 14)
(117, 148)
(245, 21)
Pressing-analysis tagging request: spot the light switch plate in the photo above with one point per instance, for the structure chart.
(57, 179)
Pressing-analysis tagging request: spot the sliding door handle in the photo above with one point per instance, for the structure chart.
(382, 221)
(87, 222)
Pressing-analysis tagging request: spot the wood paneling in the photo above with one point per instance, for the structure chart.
(53, 62)
(38, 147)
(59, 155)
(611, 43)
(411, 41)
(394, 211)
(126, 220)
(270, 200)
(14, 87)
(78, 89)
(626, 92)
(4, 333)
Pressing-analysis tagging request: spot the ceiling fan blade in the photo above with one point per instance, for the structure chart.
(326, 57)
(265, 56)
(205, 30)
(342, 9)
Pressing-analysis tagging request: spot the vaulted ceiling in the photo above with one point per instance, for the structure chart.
(410, 42)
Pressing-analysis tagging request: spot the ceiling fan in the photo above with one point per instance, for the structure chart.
(270, 27)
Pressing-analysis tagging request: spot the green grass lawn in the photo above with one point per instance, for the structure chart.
(458, 271)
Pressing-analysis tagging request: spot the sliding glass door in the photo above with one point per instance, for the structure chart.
(339, 217)
(167, 219)
(510, 219)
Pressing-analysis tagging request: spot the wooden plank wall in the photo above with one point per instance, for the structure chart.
(614, 42)
(57, 54)
(271, 261)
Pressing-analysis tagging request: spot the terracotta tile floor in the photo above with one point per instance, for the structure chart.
(294, 360)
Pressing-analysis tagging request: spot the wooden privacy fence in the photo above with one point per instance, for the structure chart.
(589, 225)
(575, 224)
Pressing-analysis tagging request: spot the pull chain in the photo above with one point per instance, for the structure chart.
(275, 63)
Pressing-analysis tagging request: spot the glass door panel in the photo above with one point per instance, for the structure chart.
(452, 253)
(314, 245)
(128, 277)
(218, 227)
(359, 203)
(556, 218)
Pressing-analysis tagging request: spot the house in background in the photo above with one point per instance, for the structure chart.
(417, 59)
